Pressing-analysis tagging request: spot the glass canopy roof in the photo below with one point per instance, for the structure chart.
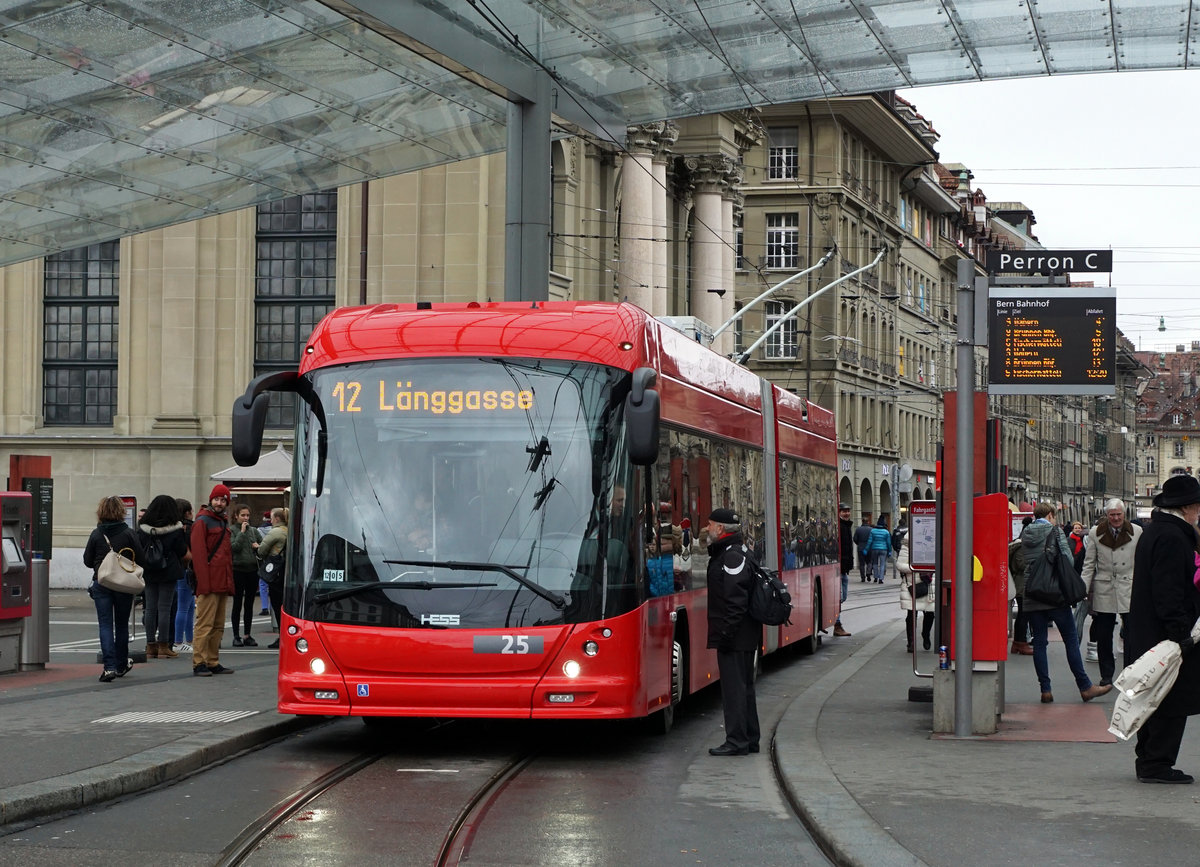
(118, 116)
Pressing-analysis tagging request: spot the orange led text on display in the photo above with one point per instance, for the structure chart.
(402, 397)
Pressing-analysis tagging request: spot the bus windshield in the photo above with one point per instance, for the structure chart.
(464, 493)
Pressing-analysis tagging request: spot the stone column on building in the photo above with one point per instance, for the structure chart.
(714, 176)
(635, 272)
(661, 278)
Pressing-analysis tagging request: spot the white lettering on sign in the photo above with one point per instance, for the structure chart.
(1026, 262)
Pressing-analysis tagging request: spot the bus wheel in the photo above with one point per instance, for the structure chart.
(809, 645)
(660, 722)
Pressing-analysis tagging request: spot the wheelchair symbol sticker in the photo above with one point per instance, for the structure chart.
(364, 690)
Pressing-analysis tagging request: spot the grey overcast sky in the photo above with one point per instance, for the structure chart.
(1104, 161)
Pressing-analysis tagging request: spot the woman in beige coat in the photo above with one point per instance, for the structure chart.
(915, 595)
(1108, 572)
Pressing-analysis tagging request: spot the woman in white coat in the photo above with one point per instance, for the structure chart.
(1108, 573)
(916, 594)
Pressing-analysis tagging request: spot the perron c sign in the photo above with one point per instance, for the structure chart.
(1047, 262)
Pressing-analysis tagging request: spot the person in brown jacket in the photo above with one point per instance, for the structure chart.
(212, 561)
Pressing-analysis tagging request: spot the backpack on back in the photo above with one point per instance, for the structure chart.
(770, 601)
(154, 557)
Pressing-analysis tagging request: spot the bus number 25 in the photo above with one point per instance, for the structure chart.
(514, 643)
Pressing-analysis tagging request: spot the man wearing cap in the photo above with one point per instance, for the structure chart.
(212, 561)
(846, 549)
(732, 632)
(1165, 604)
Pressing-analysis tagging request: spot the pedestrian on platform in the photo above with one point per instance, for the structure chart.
(879, 548)
(244, 541)
(1108, 572)
(862, 536)
(212, 560)
(732, 632)
(1016, 569)
(274, 544)
(1041, 614)
(185, 596)
(1165, 604)
(161, 531)
(916, 594)
(112, 608)
(846, 553)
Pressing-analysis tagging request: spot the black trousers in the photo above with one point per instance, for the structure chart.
(245, 594)
(737, 697)
(1158, 743)
(926, 624)
(1101, 632)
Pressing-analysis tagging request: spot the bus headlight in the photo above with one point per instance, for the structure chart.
(316, 665)
(571, 668)
(591, 648)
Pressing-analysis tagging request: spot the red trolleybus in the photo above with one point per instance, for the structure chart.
(498, 510)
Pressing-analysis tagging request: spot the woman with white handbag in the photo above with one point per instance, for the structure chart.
(114, 547)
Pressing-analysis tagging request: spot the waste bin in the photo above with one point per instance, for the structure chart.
(35, 629)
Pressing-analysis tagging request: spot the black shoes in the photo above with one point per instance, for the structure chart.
(728, 750)
(925, 642)
(108, 676)
(237, 641)
(219, 669)
(754, 748)
(201, 671)
(264, 612)
(249, 642)
(1171, 775)
(274, 645)
(128, 668)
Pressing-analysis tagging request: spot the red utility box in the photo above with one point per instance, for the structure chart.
(990, 604)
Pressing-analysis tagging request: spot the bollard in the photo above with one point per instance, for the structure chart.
(35, 629)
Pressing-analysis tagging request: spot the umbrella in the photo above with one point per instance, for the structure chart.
(1142, 686)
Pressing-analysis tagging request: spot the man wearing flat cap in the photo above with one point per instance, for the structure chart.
(1165, 604)
(732, 632)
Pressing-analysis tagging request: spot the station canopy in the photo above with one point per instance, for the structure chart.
(118, 116)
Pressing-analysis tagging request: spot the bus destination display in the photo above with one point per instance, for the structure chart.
(1052, 341)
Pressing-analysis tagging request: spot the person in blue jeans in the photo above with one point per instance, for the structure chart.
(185, 597)
(1041, 615)
(879, 548)
(112, 608)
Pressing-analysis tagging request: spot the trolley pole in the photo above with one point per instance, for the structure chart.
(964, 494)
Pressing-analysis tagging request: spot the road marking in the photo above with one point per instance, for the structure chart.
(170, 717)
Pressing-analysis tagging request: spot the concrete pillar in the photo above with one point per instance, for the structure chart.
(713, 176)
(661, 281)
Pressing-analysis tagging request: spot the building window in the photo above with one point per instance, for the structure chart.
(782, 153)
(740, 250)
(294, 285)
(79, 335)
(783, 240)
(1149, 463)
(1176, 418)
(781, 344)
(1151, 439)
(1179, 448)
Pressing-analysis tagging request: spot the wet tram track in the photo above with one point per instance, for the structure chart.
(272, 826)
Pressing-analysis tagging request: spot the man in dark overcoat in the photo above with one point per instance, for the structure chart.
(732, 632)
(1165, 604)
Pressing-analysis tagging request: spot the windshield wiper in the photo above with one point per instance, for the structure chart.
(343, 592)
(462, 566)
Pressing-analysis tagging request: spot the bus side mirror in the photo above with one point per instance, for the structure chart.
(641, 418)
(250, 414)
(248, 424)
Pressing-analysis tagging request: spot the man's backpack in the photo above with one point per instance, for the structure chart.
(154, 557)
(770, 602)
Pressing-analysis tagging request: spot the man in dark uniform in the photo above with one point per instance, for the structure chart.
(732, 632)
(846, 548)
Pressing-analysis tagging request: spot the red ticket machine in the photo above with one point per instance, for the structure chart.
(990, 580)
(16, 554)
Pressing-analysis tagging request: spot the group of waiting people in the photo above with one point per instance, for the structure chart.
(1150, 577)
(203, 563)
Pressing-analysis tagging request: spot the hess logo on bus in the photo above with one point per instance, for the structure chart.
(439, 620)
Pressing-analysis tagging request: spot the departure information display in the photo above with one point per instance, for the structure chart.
(1051, 340)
